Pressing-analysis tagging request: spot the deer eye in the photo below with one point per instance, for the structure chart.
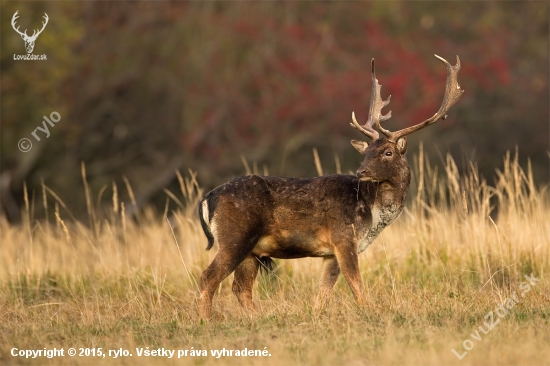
(388, 153)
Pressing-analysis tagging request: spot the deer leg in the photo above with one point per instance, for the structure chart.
(348, 260)
(223, 264)
(245, 274)
(329, 275)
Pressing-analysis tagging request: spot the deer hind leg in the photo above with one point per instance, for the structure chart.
(348, 260)
(329, 275)
(223, 264)
(245, 274)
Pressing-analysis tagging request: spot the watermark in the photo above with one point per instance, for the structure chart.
(25, 144)
(501, 311)
(30, 57)
(29, 40)
(139, 352)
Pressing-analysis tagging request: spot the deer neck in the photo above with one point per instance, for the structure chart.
(386, 201)
(389, 193)
(389, 197)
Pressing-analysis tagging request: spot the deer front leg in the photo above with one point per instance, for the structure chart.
(245, 274)
(348, 260)
(329, 275)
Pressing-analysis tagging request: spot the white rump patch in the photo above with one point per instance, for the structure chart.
(213, 230)
(205, 212)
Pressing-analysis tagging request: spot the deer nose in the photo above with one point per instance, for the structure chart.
(360, 173)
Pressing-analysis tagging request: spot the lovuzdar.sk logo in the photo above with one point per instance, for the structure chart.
(29, 40)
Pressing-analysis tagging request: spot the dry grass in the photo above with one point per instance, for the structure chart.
(431, 278)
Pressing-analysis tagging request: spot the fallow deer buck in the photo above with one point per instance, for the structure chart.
(336, 217)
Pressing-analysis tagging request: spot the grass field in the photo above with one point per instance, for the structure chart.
(434, 279)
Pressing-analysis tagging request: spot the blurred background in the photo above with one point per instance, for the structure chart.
(147, 88)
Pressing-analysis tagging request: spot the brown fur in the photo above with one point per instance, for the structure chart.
(256, 217)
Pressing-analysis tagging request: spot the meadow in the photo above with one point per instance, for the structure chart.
(445, 284)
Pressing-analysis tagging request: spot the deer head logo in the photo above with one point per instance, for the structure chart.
(29, 41)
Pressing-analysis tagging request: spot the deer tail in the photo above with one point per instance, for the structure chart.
(204, 216)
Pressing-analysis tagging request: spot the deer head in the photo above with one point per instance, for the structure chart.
(384, 156)
(29, 41)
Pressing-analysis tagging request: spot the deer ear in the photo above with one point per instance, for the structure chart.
(360, 146)
(402, 145)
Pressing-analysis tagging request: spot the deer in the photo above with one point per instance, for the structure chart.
(253, 219)
(29, 41)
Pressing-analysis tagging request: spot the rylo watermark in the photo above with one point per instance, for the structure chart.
(25, 144)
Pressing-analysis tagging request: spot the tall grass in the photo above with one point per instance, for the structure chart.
(461, 247)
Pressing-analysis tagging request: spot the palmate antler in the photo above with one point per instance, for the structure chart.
(452, 95)
(376, 105)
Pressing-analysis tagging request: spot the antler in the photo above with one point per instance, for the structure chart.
(13, 20)
(452, 95)
(375, 117)
(24, 34)
(43, 26)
